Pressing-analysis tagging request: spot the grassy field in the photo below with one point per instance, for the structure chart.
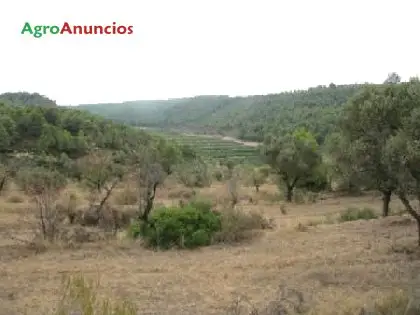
(338, 267)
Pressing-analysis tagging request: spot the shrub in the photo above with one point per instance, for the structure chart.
(218, 175)
(80, 296)
(302, 196)
(201, 204)
(194, 173)
(181, 193)
(44, 186)
(396, 303)
(353, 214)
(270, 197)
(283, 208)
(237, 226)
(126, 197)
(184, 227)
(15, 199)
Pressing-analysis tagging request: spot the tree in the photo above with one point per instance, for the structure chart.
(293, 157)
(194, 173)
(369, 120)
(100, 174)
(393, 78)
(402, 153)
(44, 186)
(338, 161)
(151, 166)
(258, 176)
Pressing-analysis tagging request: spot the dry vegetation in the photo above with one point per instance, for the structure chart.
(335, 267)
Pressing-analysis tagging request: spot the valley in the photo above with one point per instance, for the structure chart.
(301, 202)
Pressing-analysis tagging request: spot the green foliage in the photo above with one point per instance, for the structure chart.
(317, 181)
(77, 144)
(99, 169)
(293, 157)
(184, 227)
(39, 180)
(218, 175)
(378, 141)
(258, 176)
(250, 118)
(201, 204)
(55, 131)
(353, 214)
(26, 99)
(194, 173)
(213, 148)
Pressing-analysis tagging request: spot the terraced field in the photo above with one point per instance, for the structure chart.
(217, 147)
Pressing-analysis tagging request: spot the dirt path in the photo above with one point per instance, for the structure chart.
(226, 138)
(246, 143)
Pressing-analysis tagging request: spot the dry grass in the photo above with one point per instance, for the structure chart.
(337, 266)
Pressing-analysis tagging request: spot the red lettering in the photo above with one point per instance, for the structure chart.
(87, 29)
(77, 29)
(100, 28)
(66, 28)
(130, 30)
(121, 29)
(107, 31)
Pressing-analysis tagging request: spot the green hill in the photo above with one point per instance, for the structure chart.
(26, 99)
(248, 118)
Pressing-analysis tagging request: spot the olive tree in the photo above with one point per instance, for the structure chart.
(100, 174)
(369, 120)
(258, 177)
(294, 157)
(151, 165)
(402, 156)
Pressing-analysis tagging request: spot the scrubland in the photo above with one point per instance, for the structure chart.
(308, 260)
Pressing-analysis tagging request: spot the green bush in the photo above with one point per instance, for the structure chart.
(218, 175)
(201, 204)
(353, 214)
(184, 227)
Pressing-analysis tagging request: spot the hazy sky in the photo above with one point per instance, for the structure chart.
(185, 48)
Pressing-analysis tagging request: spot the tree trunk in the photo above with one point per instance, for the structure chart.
(413, 213)
(3, 183)
(257, 188)
(107, 195)
(386, 199)
(418, 232)
(289, 193)
(149, 202)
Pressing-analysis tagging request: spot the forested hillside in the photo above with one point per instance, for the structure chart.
(57, 138)
(25, 98)
(134, 112)
(248, 118)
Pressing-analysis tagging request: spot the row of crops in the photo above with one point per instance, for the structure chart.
(217, 148)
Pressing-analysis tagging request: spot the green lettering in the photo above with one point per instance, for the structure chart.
(54, 29)
(27, 28)
(38, 30)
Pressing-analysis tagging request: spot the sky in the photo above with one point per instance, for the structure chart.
(182, 48)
